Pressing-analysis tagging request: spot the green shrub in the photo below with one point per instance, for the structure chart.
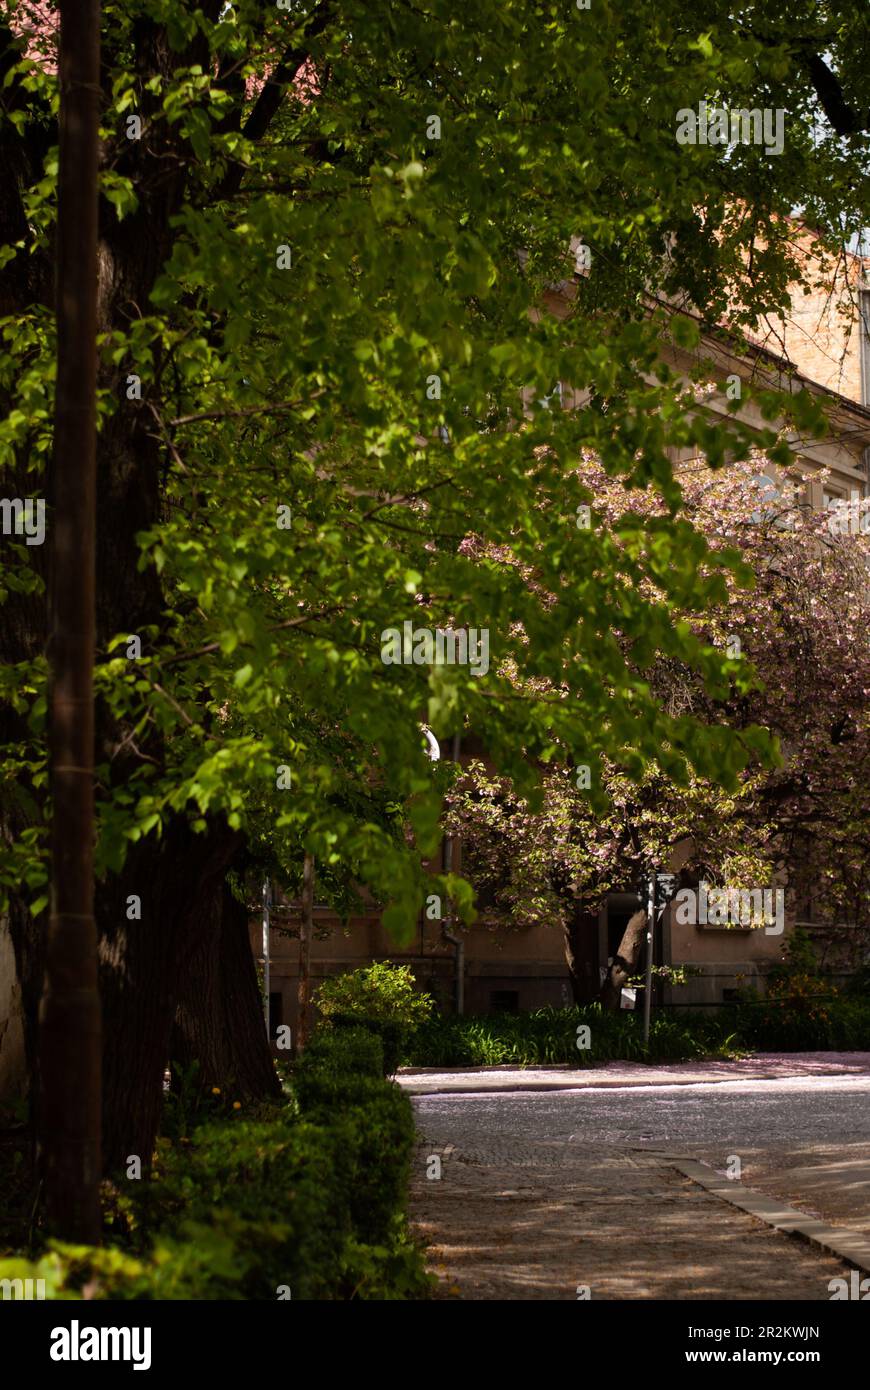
(545, 1037)
(858, 984)
(373, 1122)
(350, 1051)
(325, 1093)
(382, 998)
(265, 1199)
(377, 1140)
(796, 1018)
(314, 1202)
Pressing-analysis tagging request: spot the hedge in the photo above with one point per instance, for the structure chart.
(549, 1036)
(308, 1205)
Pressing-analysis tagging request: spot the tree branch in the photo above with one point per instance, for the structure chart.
(266, 106)
(843, 117)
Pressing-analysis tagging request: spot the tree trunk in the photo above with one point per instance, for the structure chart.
(142, 962)
(626, 962)
(219, 1018)
(69, 1119)
(306, 927)
(581, 955)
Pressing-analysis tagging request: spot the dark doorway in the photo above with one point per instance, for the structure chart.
(276, 1014)
(617, 921)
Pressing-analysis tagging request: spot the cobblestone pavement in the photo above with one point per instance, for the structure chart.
(528, 1207)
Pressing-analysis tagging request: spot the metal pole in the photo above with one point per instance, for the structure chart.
(70, 1044)
(456, 939)
(650, 929)
(266, 957)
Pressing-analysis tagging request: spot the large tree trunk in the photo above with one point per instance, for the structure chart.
(581, 955)
(626, 962)
(219, 1018)
(69, 1118)
(142, 960)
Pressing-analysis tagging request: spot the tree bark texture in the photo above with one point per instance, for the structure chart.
(581, 955)
(219, 1018)
(69, 1115)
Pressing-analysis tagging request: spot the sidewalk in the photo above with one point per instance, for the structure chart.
(524, 1210)
(600, 1225)
(767, 1066)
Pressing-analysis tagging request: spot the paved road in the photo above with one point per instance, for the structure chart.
(687, 1118)
(542, 1192)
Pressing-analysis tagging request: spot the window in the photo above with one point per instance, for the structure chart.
(504, 1001)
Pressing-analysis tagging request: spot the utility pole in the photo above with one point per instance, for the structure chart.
(70, 1056)
(650, 932)
(306, 928)
(657, 901)
(267, 961)
(456, 939)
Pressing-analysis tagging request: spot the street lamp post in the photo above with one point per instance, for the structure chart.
(650, 928)
(267, 983)
(659, 891)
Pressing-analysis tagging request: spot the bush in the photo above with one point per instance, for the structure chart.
(802, 1021)
(549, 1036)
(350, 1052)
(373, 1120)
(312, 1202)
(801, 1010)
(382, 998)
(858, 985)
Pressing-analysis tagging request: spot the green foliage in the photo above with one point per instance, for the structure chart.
(796, 1020)
(188, 1103)
(804, 1015)
(549, 1036)
(337, 1083)
(305, 388)
(244, 1206)
(381, 991)
(799, 960)
(382, 998)
(350, 1053)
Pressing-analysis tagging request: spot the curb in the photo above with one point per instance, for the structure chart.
(463, 1086)
(849, 1246)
